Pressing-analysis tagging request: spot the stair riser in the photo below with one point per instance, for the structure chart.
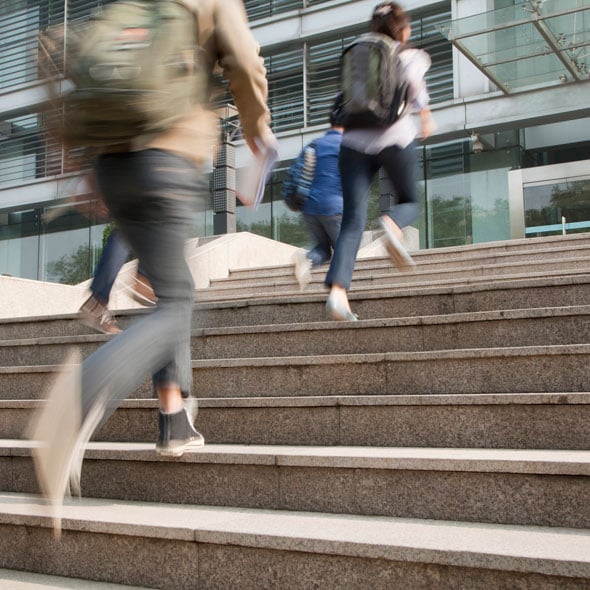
(491, 255)
(551, 426)
(381, 305)
(34, 385)
(531, 331)
(503, 498)
(214, 566)
(390, 276)
(526, 374)
(424, 262)
(541, 373)
(343, 340)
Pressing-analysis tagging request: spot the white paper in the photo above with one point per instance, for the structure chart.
(253, 178)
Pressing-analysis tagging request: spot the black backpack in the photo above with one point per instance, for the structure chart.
(373, 84)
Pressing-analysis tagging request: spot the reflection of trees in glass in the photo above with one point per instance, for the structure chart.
(572, 201)
(455, 219)
(291, 228)
(72, 269)
(451, 221)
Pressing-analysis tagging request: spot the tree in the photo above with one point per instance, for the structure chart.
(75, 268)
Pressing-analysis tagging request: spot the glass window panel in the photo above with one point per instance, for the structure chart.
(324, 76)
(284, 71)
(18, 43)
(535, 70)
(547, 205)
(65, 250)
(466, 195)
(28, 151)
(509, 45)
(542, 37)
(19, 243)
(257, 9)
(571, 29)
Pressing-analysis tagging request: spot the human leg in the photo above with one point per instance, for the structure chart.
(114, 255)
(324, 230)
(400, 166)
(157, 231)
(94, 311)
(150, 195)
(357, 171)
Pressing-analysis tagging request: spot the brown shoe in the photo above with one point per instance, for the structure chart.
(96, 315)
(142, 291)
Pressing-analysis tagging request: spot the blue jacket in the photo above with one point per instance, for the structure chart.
(325, 195)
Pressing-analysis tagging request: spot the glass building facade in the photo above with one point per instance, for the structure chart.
(476, 176)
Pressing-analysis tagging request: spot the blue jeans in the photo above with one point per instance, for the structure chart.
(152, 196)
(113, 257)
(357, 171)
(324, 230)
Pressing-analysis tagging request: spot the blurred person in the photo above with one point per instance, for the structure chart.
(364, 151)
(152, 188)
(95, 312)
(322, 209)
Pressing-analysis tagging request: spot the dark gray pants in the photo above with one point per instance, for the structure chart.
(152, 196)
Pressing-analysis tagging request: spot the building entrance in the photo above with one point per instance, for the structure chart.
(550, 200)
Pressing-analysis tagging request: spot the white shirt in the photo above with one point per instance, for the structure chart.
(416, 63)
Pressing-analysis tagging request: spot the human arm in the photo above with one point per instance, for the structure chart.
(243, 67)
(417, 63)
(428, 123)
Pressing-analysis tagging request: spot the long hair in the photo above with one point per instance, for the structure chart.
(390, 19)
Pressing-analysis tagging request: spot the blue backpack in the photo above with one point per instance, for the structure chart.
(297, 184)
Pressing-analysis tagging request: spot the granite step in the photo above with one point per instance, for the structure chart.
(522, 369)
(248, 548)
(501, 486)
(492, 329)
(516, 421)
(486, 253)
(497, 263)
(369, 304)
(377, 283)
(16, 580)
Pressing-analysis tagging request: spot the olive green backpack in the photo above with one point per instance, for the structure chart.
(133, 68)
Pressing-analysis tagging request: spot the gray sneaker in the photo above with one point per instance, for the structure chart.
(177, 434)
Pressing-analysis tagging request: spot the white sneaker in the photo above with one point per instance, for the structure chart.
(302, 268)
(396, 250)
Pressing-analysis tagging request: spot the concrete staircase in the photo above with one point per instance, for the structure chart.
(442, 441)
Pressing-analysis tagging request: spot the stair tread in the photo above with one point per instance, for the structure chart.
(538, 461)
(330, 325)
(18, 580)
(450, 399)
(546, 550)
(230, 285)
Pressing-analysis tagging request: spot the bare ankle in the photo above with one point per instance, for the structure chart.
(170, 397)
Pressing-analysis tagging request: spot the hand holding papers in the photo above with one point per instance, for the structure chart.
(252, 180)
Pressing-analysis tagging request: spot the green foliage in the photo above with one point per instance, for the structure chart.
(75, 268)
(106, 232)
